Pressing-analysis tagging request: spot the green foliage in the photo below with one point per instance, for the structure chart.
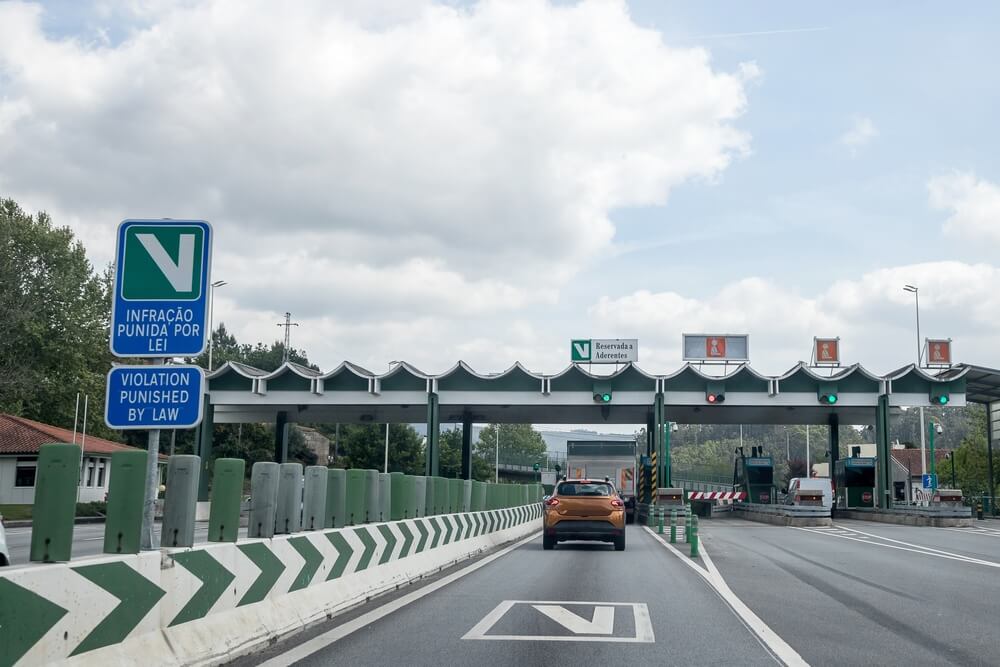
(225, 348)
(363, 446)
(450, 455)
(54, 312)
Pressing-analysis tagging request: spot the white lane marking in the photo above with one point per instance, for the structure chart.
(771, 640)
(916, 548)
(318, 643)
(988, 532)
(643, 624)
(601, 623)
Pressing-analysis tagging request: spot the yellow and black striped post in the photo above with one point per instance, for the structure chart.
(652, 478)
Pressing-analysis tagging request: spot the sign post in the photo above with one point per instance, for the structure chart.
(159, 310)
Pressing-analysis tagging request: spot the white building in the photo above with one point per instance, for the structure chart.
(20, 440)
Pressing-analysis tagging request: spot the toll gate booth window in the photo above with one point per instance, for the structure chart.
(760, 475)
(585, 489)
(859, 476)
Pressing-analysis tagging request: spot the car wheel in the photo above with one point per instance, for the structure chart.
(620, 542)
(548, 543)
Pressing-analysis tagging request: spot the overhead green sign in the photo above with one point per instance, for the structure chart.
(579, 350)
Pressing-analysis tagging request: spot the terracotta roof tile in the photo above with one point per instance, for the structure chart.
(24, 436)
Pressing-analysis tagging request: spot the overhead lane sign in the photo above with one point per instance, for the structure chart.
(154, 397)
(716, 347)
(162, 272)
(604, 350)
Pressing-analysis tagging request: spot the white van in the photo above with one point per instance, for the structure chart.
(796, 484)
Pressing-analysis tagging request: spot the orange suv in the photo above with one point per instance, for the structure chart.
(584, 509)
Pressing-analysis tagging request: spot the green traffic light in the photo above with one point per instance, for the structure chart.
(831, 399)
(943, 399)
(606, 398)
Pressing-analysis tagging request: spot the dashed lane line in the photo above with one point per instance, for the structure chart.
(779, 649)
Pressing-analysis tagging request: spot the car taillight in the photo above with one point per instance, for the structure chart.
(798, 498)
(551, 502)
(617, 503)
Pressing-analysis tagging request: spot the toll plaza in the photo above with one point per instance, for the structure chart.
(754, 475)
(854, 481)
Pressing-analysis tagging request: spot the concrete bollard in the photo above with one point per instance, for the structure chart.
(263, 498)
(314, 498)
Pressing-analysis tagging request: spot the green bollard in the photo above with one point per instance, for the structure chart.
(694, 537)
(429, 491)
(356, 497)
(57, 476)
(673, 526)
(440, 495)
(478, 496)
(123, 527)
(399, 498)
(687, 528)
(419, 496)
(649, 515)
(227, 492)
(456, 495)
(336, 498)
(659, 526)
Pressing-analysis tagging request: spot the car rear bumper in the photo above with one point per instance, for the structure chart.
(585, 530)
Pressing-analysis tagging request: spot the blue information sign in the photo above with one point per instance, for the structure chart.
(929, 481)
(162, 274)
(154, 397)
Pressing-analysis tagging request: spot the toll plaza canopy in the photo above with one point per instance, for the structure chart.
(351, 394)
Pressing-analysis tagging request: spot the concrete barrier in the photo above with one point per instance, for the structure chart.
(908, 518)
(212, 603)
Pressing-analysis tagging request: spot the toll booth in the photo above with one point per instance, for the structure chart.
(754, 475)
(854, 479)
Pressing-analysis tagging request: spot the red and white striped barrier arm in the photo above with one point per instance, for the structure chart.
(717, 495)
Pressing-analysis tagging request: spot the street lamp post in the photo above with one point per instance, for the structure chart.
(497, 473)
(916, 299)
(211, 318)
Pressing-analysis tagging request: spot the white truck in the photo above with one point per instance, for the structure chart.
(597, 459)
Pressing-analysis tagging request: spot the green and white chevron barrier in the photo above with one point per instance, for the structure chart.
(218, 600)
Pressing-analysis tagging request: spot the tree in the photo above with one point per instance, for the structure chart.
(450, 453)
(796, 468)
(519, 443)
(54, 312)
(363, 446)
(225, 348)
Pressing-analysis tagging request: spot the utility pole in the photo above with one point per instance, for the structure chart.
(288, 324)
(808, 466)
(497, 478)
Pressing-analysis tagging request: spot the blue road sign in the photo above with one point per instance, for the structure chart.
(154, 397)
(928, 481)
(162, 274)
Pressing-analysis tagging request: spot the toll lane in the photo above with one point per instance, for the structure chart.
(581, 603)
(839, 596)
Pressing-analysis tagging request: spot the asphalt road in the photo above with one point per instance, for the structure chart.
(859, 593)
(88, 540)
(863, 593)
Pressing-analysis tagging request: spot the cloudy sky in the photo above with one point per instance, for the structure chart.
(485, 181)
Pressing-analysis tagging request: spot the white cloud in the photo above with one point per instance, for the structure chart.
(859, 135)
(384, 151)
(974, 204)
(872, 315)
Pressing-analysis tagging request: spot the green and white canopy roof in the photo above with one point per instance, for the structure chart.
(352, 394)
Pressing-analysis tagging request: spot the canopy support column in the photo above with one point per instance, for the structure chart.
(432, 455)
(883, 478)
(281, 438)
(466, 446)
(204, 440)
(834, 423)
(662, 448)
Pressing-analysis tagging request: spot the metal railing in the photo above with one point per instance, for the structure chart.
(546, 462)
(697, 473)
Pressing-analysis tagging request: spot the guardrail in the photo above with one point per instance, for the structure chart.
(950, 511)
(793, 511)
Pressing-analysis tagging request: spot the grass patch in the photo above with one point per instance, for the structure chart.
(15, 512)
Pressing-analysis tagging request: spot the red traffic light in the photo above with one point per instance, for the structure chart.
(715, 397)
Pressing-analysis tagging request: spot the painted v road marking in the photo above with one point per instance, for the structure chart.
(603, 622)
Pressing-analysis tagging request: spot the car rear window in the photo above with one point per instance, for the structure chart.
(585, 489)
